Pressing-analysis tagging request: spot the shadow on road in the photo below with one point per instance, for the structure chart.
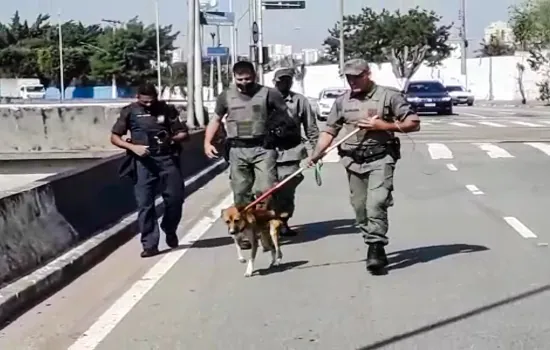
(405, 258)
(317, 230)
(383, 344)
(282, 267)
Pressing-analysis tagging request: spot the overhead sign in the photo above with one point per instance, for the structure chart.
(284, 5)
(255, 32)
(214, 18)
(217, 51)
(208, 4)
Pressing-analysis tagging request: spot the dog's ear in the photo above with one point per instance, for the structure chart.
(249, 217)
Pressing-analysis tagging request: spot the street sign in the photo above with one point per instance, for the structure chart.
(217, 51)
(214, 18)
(284, 4)
(255, 32)
(208, 4)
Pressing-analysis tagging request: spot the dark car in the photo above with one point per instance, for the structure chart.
(429, 96)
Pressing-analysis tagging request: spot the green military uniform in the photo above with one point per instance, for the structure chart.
(251, 164)
(288, 161)
(369, 156)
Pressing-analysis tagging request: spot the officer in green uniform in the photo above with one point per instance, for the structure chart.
(370, 155)
(249, 107)
(289, 160)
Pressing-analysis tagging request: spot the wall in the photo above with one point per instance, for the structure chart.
(42, 220)
(59, 127)
(498, 74)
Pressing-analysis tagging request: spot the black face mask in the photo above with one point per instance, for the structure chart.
(247, 88)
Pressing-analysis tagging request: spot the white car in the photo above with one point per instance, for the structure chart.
(460, 95)
(326, 99)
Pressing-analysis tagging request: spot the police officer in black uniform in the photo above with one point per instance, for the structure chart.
(156, 133)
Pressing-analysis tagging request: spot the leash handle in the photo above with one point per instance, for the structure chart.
(297, 172)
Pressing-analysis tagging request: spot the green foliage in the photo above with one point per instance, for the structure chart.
(405, 40)
(495, 47)
(90, 53)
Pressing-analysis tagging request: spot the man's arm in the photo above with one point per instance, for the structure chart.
(180, 131)
(308, 119)
(406, 118)
(213, 126)
(120, 128)
(276, 102)
(335, 122)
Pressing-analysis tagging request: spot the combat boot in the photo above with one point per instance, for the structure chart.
(376, 258)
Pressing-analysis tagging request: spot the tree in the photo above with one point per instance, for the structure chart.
(405, 40)
(495, 47)
(128, 53)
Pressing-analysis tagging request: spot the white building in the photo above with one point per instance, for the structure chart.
(310, 56)
(500, 30)
(177, 56)
(276, 50)
(457, 50)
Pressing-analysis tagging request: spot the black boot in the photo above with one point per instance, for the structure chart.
(286, 231)
(376, 258)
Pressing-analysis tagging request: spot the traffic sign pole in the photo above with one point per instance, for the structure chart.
(260, 44)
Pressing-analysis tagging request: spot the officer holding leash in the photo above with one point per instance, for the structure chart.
(153, 152)
(371, 154)
(257, 119)
(288, 160)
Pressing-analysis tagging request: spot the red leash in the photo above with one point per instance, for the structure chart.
(288, 178)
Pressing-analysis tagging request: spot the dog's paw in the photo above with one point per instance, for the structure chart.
(242, 260)
(249, 270)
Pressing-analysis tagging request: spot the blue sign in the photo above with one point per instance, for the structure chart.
(213, 18)
(217, 51)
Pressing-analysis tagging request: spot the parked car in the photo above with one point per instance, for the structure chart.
(326, 99)
(429, 96)
(460, 95)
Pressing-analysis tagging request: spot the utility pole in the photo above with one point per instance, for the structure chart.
(61, 66)
(233, 37)
(159, 78)
(464, 42)
(199, 107)
(211, 92)
(342, 55)
(190, 63)
(260, 45)
(114, 23)
(219, 63)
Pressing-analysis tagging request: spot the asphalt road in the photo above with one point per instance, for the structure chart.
(468, 251)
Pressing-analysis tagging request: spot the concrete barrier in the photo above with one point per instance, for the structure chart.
(61, 128)
(44, 219)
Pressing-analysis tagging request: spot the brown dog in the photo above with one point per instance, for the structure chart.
(255, 224)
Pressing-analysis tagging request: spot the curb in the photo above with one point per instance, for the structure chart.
(26, 292)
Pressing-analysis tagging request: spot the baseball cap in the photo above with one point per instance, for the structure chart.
(355, 66)
(283, 72)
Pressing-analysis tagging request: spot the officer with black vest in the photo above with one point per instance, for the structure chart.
(257, 120)
(288, 160)
(156, 133)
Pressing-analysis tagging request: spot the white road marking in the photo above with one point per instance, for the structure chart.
(545, 121)
(494, 151)
(439, 151)
(332, 157)
(109, 320)
(463, 125)
(474, 115)
(523, 230)
(451, 167)
(532, 125)
(425, 123)
(495, 125)
(474, 189)
(544, 147)
(506, 112)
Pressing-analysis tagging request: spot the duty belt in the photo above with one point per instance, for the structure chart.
(370, 153)
(245, 143)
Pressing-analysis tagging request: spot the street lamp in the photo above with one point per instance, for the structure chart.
(113, 22)
(61, 66)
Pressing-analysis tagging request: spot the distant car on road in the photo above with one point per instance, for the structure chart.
(460, 95)
(429, 96)
(326, 99)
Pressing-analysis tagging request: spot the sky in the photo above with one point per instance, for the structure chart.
(300, 28)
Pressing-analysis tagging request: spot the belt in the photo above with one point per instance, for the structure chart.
(246, 143)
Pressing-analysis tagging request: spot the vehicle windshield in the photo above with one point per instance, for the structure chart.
(35, 88)
(425, 88)
(454, 88)
(331, 94)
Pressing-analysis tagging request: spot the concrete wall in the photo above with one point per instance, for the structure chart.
(75, 127)
(44, 219)
(489, 77)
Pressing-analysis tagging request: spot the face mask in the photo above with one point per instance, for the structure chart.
(248, 87)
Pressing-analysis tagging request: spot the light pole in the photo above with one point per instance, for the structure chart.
(159, 78)
(342, 55)
(190, 63)
(114, 23)
(61, 67)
